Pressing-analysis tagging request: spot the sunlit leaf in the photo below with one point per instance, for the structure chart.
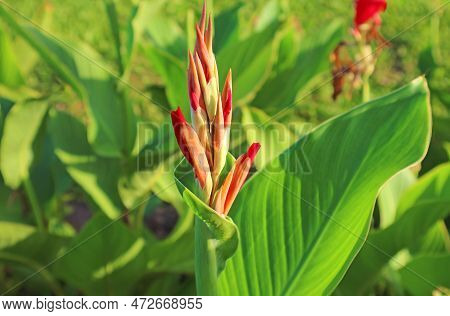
(112, 128)
(96, 175)
(10, 74)
(16, 152)
(390, 196)
(300, 228)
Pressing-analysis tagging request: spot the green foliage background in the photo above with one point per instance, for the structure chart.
(76, 144)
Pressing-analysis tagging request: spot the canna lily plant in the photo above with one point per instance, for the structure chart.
(291, 230)
(205, 144)
(205, 147)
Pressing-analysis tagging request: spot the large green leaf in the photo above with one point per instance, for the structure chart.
(170, 285)
(52, 59)
(12, 233)
(427, 275)
(289, 48)
(105, 258)
(111, 11)
(166, 51)
(421, 206)
(226, 27)
(24, 247)
(25, 241)
(151, 20)
(21, 127)
(270, 12)
(435, 241)
(10, 74)
(11, 205)
(174, 255)
(250, 60)
(300, 228)
(173, 74)
(98, 176)
(112, 128)
(280, 90)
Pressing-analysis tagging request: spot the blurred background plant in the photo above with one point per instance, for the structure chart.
(87, 155)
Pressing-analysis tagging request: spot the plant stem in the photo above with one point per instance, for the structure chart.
(366, 89)
(139, 217)
(205, 260)
(37, 212)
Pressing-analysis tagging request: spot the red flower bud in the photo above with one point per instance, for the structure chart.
(235, 180)
(368, 10)
(202, 50)
(194, 90)
(191, 148)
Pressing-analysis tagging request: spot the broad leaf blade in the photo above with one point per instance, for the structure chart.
(25, 248)
(421, 206)
(116, 266)
(173, 74)
(281, 90)
(226, 26)
(300, 230)
(427, 275)
(10, 74)
(250, 60)
(22, 124)
(98, 176)
(112, 128)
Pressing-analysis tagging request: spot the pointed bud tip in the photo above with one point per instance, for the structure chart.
(199, 32)
(228, 80)
(191, 57)
(177, 116)
(253, 150)
(203, 17)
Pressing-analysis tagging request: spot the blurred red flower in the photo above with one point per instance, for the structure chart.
(367, 10)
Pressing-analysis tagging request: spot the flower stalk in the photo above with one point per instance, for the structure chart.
(365, 32)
